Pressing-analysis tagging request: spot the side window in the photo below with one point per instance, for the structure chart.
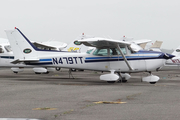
(177, 50)
(101, 52)
(89, 51)
(114, 51)
(1, 50)
(123, 49)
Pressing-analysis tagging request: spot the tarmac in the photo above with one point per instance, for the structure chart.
(57, 96)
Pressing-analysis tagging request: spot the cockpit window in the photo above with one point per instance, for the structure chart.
(178, 50)
(8, 48)
(101, 52)
(115, 51)
(123, 49)
(1, 49)
(89, 51)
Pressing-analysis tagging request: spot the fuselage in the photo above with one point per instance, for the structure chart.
(106, 61)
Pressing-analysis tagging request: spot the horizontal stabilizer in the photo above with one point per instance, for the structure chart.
(24, 60)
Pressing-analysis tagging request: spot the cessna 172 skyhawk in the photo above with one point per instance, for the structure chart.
(108, 55)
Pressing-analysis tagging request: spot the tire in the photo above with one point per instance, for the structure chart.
(37, 73)
(152, 82)
(73, 70)
(58, 68)
(46, 72)
(111, 81)
(123, 81)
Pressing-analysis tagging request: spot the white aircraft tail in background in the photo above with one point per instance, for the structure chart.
(175, 61)
(80, 48)
(7, 56)
(156, 46)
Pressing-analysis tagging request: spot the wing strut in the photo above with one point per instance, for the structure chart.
(124, 57)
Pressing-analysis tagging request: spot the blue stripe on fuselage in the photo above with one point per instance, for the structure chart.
(7, 57)
(45, 60)
(43, 63)
(143, 55)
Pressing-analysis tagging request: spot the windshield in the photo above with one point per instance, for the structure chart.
(89, 51)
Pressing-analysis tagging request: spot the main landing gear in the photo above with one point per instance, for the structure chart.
(111, 81)
(152, 79)
(123, 78)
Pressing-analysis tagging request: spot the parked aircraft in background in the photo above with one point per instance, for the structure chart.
(108, 55)
(145, 44)
(176, 60)
(6, 55)
(50, 45)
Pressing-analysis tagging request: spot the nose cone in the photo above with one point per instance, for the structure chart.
(168, 56)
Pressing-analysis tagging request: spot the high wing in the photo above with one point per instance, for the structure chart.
(106, 43)
(101, 42)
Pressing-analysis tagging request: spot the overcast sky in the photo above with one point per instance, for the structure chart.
(65, 20)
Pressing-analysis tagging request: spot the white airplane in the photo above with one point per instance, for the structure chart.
(175, 61)
(109, 55)
(6, 55)
(145, 43)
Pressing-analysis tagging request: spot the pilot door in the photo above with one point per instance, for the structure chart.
(117, 61)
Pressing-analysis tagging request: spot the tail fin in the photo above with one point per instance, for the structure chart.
(157, 44)
(143, 45)
(22, 48)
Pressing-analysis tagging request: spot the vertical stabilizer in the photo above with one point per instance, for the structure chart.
(22, 48)
(143, 45)
(157, 44)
